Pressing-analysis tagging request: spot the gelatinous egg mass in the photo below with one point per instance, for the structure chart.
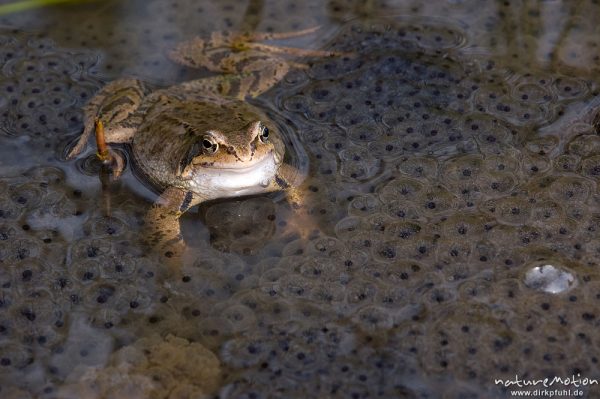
(447, 232)
(43, 88)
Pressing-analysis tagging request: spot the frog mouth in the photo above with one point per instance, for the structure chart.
(268, 160)
(263, 166)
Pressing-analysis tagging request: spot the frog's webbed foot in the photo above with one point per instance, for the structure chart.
(115, 105)
(302, 221)
(88, 129)
(163, 231)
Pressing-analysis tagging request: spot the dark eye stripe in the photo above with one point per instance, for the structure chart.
(191, 154)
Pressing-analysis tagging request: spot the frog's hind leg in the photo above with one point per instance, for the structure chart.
(114, 105)
(292, 51)
(261, 36)
(250, 41)
(230, 52)
(260, 75)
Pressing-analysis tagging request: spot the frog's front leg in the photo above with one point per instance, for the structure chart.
(114, 106)
(163, 230)
(289, 178)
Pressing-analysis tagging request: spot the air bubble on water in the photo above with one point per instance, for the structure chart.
(550, 279)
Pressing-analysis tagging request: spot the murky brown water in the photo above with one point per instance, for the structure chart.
(453, 155)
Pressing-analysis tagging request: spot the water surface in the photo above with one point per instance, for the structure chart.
(453, 154)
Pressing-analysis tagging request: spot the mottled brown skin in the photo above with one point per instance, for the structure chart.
(200, 140)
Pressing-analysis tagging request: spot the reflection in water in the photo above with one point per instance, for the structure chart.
(453, 177)
(549, 279)
(252, 16)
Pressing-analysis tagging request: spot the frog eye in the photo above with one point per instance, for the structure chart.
(209, 146)
(264, 134)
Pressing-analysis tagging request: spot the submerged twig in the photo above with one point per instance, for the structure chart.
(109, 159)
(103, 153)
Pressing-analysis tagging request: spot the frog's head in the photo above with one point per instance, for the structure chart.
(217, 149)
(238, 158)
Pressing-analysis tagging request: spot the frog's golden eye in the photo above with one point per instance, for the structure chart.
(264, 134)
(209, 146)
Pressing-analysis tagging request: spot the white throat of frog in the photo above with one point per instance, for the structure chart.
(235, 180)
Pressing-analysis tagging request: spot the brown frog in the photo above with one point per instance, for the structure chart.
(200, 140)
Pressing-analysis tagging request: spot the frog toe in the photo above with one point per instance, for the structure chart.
(81, 141)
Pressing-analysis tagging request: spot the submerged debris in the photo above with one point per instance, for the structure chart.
(152, 367)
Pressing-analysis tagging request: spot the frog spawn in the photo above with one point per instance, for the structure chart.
(291, 351)
(32, 283)
(411, 111)
(32, 66)
(64, 303)
(440, 227)
(415, 233)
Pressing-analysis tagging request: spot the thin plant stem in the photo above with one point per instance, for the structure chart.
(24, 5)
